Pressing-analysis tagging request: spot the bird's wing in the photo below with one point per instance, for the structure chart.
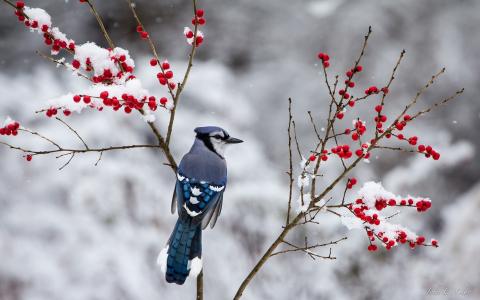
(198, 199)
(173, 207)
(217, 211)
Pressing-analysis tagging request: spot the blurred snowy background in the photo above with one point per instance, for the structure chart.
(91, 232)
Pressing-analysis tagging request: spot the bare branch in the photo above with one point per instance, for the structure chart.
(290, 167)
(182, 84)
(100, 23)
(61, 62)
(73, 130)
(307, 248)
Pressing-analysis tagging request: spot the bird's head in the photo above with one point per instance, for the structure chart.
(215, 138)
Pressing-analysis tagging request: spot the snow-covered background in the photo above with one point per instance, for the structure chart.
(89, 232)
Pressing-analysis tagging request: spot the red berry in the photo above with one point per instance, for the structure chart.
(189, 34)
(392, 202)
(420, 240)
(359, 69)
(76, 64)
(67, 112)
(77, 98)
(29, 158)
(326, 64)
(165, 65)
(312, 157)
(87, 99)
(198, 40)
(378, 108)
(349, 74)
(20, 4)
(320, 55)
(104, 94)
(355, 136)
(172, 85)
(351, 84)
(434, 243)
(201, 21)
(200, 13)
(153, 62)
(139, 29)
(169, 74)
(163, 101)
(144, 34)
(407, 117)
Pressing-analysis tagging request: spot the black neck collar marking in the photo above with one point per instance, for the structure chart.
(205, 138)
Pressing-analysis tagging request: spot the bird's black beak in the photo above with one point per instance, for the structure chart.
(232, 140)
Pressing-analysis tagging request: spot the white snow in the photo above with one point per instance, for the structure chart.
(372, 191)
(190, 40)
(351, 222)
(196, 266)
(303, 203)
(303, 180)
(162, 259)
(39, 15)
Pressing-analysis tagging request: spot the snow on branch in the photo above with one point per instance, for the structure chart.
(345, 140)
(111, 73)
(367, 210)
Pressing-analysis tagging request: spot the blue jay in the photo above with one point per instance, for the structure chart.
(198, 196)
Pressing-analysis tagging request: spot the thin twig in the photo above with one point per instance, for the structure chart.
(40, 136)
(182, 84)
(100, 23)
(73, 130)
(99, 158)
(290, 167)
(307, 248)
(314, 126)
(60, 62)
(72, 155)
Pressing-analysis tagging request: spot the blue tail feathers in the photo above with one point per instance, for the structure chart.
(185, 243)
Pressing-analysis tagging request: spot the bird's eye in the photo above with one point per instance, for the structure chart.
(218, 137)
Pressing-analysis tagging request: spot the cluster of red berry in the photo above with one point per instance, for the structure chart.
(10, 129)
(325, 58)
(128, 102)
(342, 151)
(351, 182)
(143, 34)
(52, 38)
(400, 238)
(165, 76)
(198, 20)
(372, 222)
